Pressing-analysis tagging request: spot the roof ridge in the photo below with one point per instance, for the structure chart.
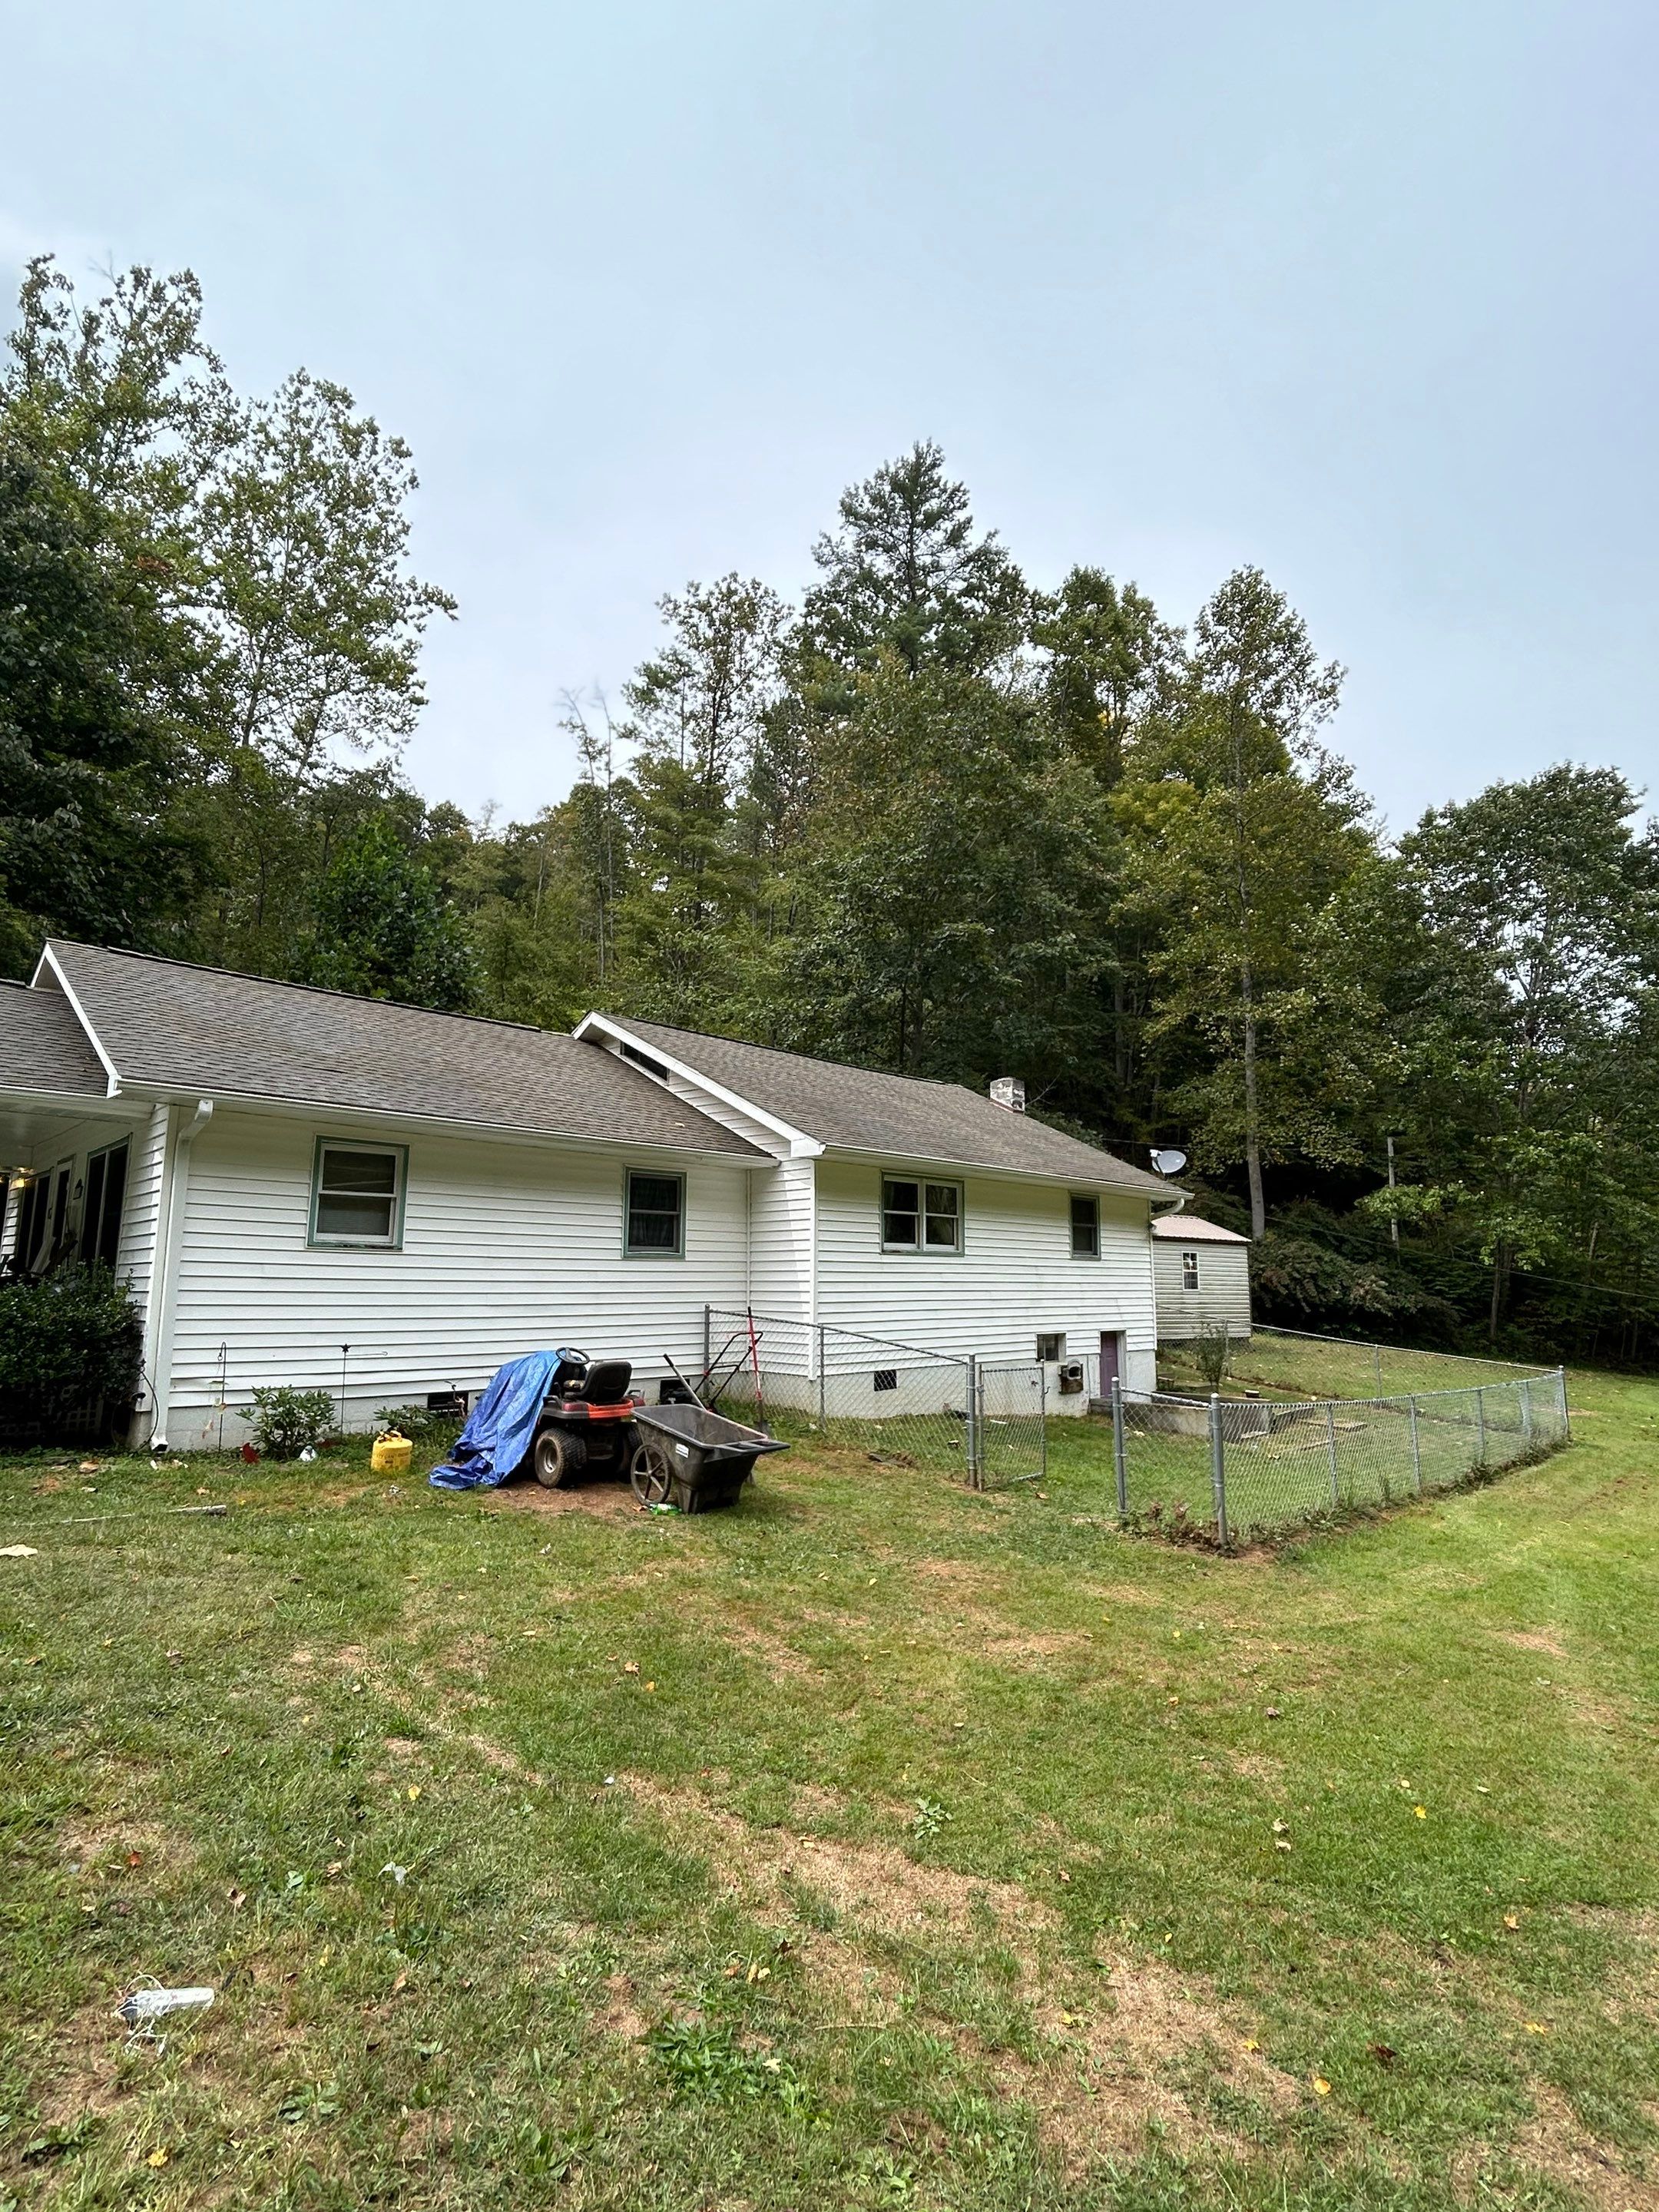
(317, 990)
(813, 1058)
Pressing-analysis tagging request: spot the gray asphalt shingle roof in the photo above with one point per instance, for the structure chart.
(43, 1046)
(854, 1110)
(169, 1026)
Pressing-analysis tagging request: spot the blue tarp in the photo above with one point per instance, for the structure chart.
(502, 1426)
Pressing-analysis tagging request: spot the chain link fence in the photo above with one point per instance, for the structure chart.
(980, 1422)
(1304, 1365)
(1233, 1469)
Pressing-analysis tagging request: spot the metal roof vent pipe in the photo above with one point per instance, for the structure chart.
(1009, 1091)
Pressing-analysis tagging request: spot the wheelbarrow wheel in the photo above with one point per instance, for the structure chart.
(558, 1459)
(652, 1474)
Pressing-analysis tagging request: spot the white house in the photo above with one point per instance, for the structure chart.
(334, 1192)
(1202, 1274)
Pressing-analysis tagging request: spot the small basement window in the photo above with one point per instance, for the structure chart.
(920, 1217)
(357, 1193)
(656, 1217)
(1051, 1350)
(887, 1379)
(1086, 1227)
(1190, 1271)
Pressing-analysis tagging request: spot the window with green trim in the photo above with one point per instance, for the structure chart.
(357, 1193)
(655, 1228)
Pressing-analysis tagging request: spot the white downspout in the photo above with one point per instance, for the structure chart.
(170, 1236)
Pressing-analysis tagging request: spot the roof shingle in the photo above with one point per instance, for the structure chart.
(44, 1048)
(170, 1026)
(903, 1116)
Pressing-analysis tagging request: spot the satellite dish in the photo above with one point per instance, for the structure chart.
(1169, 1163)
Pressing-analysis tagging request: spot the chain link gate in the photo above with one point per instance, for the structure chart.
(1010, 1427)
(980, 1421)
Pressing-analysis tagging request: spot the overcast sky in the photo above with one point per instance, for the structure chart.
(1364, 295)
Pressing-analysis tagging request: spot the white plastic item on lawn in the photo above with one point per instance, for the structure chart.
(18, 1552)
(144, 2005)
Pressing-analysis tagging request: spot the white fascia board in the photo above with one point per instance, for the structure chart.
(49, 959)
(83, 1106)
(386, 1118)
(801, 1146)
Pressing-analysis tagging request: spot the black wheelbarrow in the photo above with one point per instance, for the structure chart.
(693, 1459)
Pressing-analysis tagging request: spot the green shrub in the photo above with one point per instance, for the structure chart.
(73, 1335)
(286, 1421)
(415, 1422)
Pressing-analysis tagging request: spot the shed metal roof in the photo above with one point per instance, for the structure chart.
(904, 1117)
(170, 1026)
(1187, 1229)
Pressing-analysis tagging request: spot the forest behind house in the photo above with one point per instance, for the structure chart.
(933, 816)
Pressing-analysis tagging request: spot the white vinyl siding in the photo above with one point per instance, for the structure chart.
(782, 1239)
(1222, 1295)
(1014, 1280)
(507, 1249)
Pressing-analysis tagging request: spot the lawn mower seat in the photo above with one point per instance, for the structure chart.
(606, 1383)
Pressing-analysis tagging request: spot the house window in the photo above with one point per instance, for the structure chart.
(656, 1217)
(357, 1193)
(1086, 1227)
(920, 1217)
(100, 1208)
(1051, 1350)
(32, 1220)
(886, 1378)
(1190, 1271)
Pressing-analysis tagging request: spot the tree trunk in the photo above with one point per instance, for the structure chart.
(1252, 1113)
(1499, 1277)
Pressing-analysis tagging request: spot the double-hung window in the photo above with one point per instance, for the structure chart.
(920, 1216)
(1190, 1271)
(357, 1193)
(1085, 1227)
(655, 1223)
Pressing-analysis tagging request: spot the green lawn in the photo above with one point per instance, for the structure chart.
(876, 1844)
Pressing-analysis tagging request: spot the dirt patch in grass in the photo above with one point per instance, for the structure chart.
(1553, 2144)
(620, 2014)
(604, 1501)
(782, 1662)
(117, 1843)
(873, 1885)
(1104, 2079)
(1533, 1639)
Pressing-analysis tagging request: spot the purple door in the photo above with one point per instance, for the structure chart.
(1111, 1344)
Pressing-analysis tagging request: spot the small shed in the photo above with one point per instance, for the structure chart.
(1201, 1278)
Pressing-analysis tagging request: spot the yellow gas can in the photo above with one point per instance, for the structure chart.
(391, 1454)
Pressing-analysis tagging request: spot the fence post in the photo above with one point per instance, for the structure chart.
(1042, 1423)
(1525, 1411)
(823, 1412)
(1417, 1452)
(1376, 1366)
(1481, 1420)
(1330, 1448)
(1120, 1461)
(1218, 1468)
(1561, 1394)
(975, 1452)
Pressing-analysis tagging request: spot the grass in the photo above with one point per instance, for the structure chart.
(876, 1843)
